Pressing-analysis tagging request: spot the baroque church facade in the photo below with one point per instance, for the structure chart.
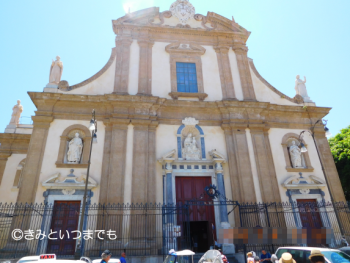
(179, 106)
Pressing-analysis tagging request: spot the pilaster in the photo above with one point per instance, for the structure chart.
(3, 160)
(145, 67)
(117, 157)
(32, 168)
(330, 169)
(228, 92)
(264, 164)
(121, 80)
(241, 51)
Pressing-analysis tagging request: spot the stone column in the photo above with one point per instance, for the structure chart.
(331, 172)
(244, 72)
(32, 168)
(3, 161)
(145, 67)
(151, 180)
(228, 92)
(221, 188)
(239, 163)
(264, 163)
(121, 79)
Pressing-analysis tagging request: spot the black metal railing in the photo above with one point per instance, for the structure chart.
(148, 229)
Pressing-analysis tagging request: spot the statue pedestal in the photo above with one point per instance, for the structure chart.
(11, 128)
(51, 87)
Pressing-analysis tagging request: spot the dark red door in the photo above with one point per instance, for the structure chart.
(65, 218)
(189, 189)
(309, 213)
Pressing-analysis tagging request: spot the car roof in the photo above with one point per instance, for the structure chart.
(310, 248)
(110, 260)
(30, 257)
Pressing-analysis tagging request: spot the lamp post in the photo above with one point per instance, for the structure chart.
(93, 129)
(304, 149)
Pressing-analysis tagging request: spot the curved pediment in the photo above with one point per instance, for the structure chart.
(57, 181)
(310, 182)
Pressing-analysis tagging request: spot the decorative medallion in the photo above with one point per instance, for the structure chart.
(68, 191)
(183, 10)
(211, 191)
(190, 121)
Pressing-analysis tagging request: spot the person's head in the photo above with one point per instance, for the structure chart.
(77, 135)
(316, 256)
(58, 58)
(286, 258)
(256, 259)
(249, 254)
(106, 255)
(18, 102)
(298, 77)
(273, 257)
(263, 251)
(123, 254)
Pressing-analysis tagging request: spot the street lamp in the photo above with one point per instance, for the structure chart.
(93, 129)
(304, 149)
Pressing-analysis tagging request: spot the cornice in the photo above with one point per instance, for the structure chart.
(14, 143)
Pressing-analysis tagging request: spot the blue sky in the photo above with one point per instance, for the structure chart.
(310, 38)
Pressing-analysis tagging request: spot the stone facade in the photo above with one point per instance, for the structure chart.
(140, 112)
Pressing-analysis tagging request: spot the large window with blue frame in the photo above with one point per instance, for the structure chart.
(186, 77)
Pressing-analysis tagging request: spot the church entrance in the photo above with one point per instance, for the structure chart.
(65, 218)
(201, 213)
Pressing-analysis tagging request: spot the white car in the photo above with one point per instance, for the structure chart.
(111, 260)
(47, 258)
(301, 254)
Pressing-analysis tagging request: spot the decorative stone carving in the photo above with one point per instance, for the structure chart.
(183, 10)
(190, 151)
(16, 114)
(304, 191)
(63, 85)
(300, 89)
(68, 191)
(56, 71)
(300, 182)
(75, 149)
(190, 121)
(295, 155)
(70, 182)
(185, 48)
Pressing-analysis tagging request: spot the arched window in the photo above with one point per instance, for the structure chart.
(288, 141)
(67, 135)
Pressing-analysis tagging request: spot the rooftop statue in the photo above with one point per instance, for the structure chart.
(300, 88)
(56, 71)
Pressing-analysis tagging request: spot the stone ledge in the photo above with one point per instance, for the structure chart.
(176, 95)
(71, 165)
(297, 170)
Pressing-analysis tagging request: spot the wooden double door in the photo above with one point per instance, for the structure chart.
(201, 215)
(65, 218)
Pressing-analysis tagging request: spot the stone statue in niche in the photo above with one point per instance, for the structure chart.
(190, 150)
(56, 71)
(75, 149)
(300, 88)
(295, 155)
(16, 114)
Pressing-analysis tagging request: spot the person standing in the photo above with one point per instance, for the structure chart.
(106, 256)
(250, 258)
(122, 258)
(265, 256)
(286, 258)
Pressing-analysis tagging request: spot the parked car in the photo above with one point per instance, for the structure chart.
(301, 254)
(28, 259)
(47, 258)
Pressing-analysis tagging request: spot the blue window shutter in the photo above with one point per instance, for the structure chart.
(186, 77)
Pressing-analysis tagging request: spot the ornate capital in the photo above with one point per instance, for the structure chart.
(240, 48)
(221, 49)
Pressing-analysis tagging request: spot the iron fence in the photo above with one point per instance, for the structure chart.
(149, 229)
